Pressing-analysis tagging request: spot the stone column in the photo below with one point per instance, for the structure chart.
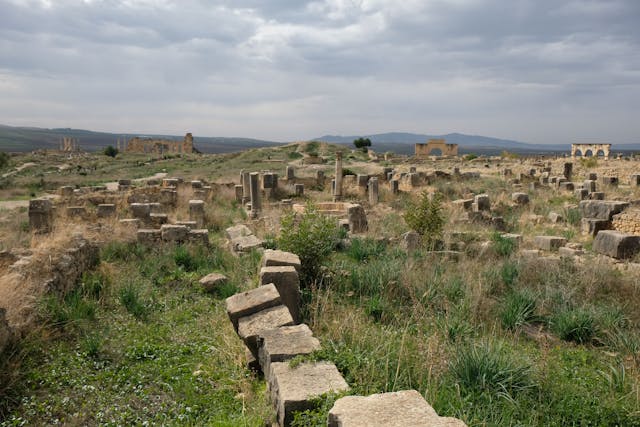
(320, 177)
(568, 170)
(373, 191)
(196, 212)
(290, 173)
(255, 193)
(299, 189)
(246, 187)
(40, 215)
(337, 193)
(394, 186)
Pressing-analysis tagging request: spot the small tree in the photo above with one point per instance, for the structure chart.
(4, 159)
(426, 218)
(312, 236)
(110, 151)
(362, 143)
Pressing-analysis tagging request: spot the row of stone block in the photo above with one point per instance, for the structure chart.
(173, 233)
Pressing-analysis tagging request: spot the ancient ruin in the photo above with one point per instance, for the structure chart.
(160, 146)
(69, 144)
(590, 150)
(436, 147)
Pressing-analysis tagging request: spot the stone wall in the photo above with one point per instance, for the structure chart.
(627, 221)
(160, 146)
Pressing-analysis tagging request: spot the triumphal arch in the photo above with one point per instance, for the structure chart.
(436, 147)
(589, 150)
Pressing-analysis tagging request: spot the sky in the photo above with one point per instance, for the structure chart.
(538, 71)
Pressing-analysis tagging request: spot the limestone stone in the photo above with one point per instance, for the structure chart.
(589, 185)
(66, 191)
(411, 241)
(284, 343)
(616, 244)
(189, 224)
(170, 182)
(581, 193)
(549, 243)
(140, 210)
(290, 172)
(148, 236)
(238, 231)
(555, 217)
(246, 243)
(174, 233)
(130, 223)
(530, 253)
(196, 212)
(569, 252)
(293, 389)
(516, 238)
(250, 302)
(274, 258)
(76, 211)
(196, 184)
(395, 409)
(596, 195)
(168, 197)
(373, 191)
(287, 281)
(601, 209)
(106, 210)
(157, 219)
(212, 281)
(357, 218)
(395, 185)
(298, 189)
(199, 236)
(567, 186)
(481, 202)
(40, 215)
(251, 326)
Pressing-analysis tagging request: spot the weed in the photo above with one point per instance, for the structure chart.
(90, 345)
(503, 246)
(72, 308)
(364, 249)
(573, 216)
(517, 308)
(121, 251)
(509, 273)
(129, 297)
(316, 417)
(576, 325)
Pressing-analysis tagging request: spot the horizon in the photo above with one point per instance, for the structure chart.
(531, 71)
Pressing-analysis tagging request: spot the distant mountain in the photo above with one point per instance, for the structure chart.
(403, 143)
(25, 139)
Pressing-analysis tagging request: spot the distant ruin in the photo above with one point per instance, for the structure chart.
(69, 144)
(160, 146)
(436, 145)
(593, 149)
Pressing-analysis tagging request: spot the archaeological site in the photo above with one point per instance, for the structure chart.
(309, 284)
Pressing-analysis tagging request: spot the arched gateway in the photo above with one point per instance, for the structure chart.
(583, 149)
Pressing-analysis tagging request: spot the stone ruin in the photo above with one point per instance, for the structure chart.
(266, 318)
(69, 144)
(426, 150)
(160, 146)
(593, 149)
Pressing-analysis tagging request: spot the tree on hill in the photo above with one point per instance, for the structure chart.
(110, 151)
(362, 143)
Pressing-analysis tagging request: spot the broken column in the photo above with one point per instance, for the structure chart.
(299, 189)
(246, 187)
(395, 188)
(238, 189)
(373, 191)
(196, 212)
(254, 179)
(290, 172)
(337, 191)
(568, 170)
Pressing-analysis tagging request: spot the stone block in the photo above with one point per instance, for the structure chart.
(40, 215)
(601, 209)
(170, 182)
(157, 219)
(549, 243)
(250, 302)
(287, 281)
(140, 210)
(516, 238)
(593, 226)
(596, 195)
(174, 233)
(567, 186)
(284, 343)
(482, 202)
(246, 243)
(616, 244)
(275, 258)
(530, 253)
(298, 189)
(191, 225)
(196, 184)
(149, 237)
(168, 197)
(592, 176)
(520, 198)
(132, 223)
(213, 281)
(589, 185)
(357, 218)
(238, 231)
(569, 252)
(609, 180)
(395, 409)
(555, 217)
(199, 236)
(76, 211)
(66, 191)
(463, 203)
(293, 389)
(581, 193)
(250, 327)
(156, 208)
(634, 180)
(106, 210)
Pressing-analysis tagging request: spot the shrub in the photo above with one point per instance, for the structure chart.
(425, 217)
(577, 325)
(4, 160)
(517, 309)
(110, 151)
(487, 368)
(312, 236)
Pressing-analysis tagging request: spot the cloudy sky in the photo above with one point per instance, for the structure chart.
(538, 71)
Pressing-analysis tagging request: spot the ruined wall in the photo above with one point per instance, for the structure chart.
(160, 146)
(627, 221)
(425, 150)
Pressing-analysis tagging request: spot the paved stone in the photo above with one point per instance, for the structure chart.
(293, 389)
(396, 409)
(250, 302)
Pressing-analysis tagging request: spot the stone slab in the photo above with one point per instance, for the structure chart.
(616, 244)
(396, 409)
(601, 209)
(287, 282)
(273, 258)
(284, 343)
(212, 281)
(549, 243)
(250, 327)
(250, 302)
(293, 389)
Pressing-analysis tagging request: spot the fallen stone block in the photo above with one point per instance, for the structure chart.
(284, 343)
(601, 209)
(293, 389)
(174, 233)
(246, 243)
(157, 219)
(213, 281)
(549, 243)
(250, 302)
(616, 244)
(396, 409)
(275, 258)
(530, 253)
(464, 204)
(250, 327)
(287, 282)
(481, 203)
(592, 226)
(520, 198)
(237, 231)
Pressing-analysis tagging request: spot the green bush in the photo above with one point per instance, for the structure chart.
(312, 236)
(425, 217)
(488, 368)
(110, 151)
(577, 325)
(518, 308)
(4, 160)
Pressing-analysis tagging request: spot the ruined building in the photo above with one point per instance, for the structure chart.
(436, 147)
(69, 144)
(160, 146)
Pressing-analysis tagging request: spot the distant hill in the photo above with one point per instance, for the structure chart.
(25, 139)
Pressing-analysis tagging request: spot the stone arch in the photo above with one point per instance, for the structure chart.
(594, 149)
(435, 152)
(588, 153)
(428, 149)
